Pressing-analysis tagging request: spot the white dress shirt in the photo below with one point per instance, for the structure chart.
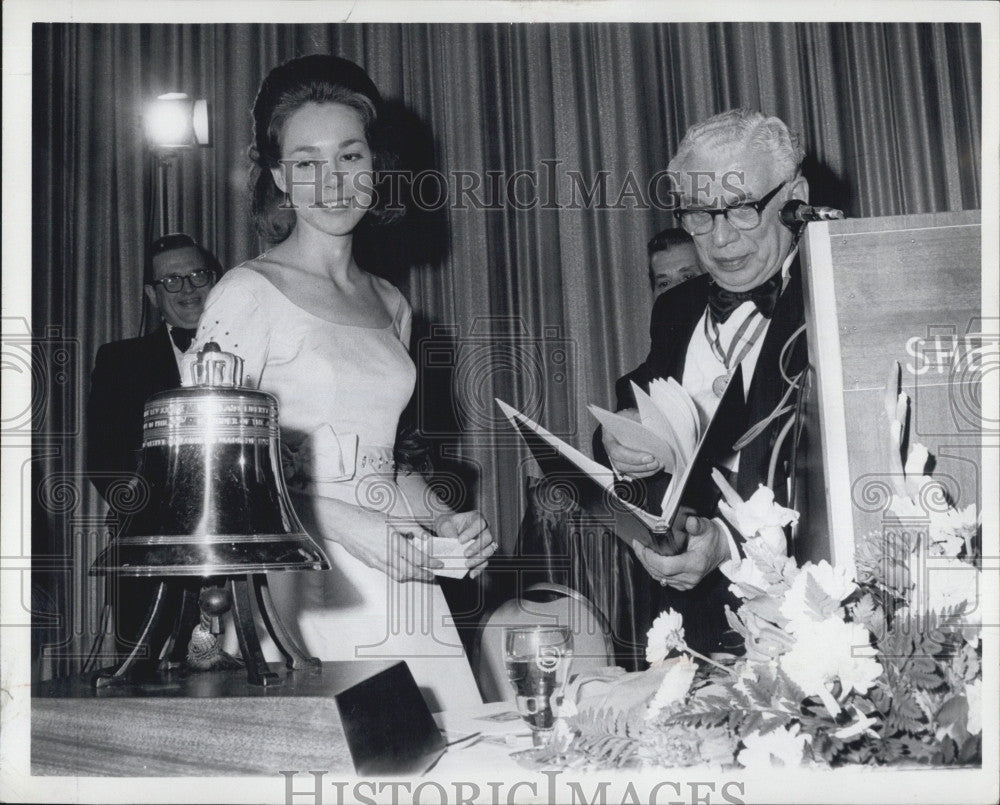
(702, 366)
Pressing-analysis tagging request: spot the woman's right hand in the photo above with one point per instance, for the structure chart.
(372, 538)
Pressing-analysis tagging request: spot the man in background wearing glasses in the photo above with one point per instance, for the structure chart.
(179, 275)
(734, 173)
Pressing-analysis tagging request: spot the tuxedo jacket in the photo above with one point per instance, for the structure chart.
(675, 316)
(126, 373)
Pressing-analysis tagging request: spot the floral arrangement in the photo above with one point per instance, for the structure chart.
(873, 664)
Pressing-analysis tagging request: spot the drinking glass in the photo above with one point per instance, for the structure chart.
(538, 660)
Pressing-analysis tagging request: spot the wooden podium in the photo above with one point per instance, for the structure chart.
(879, 290)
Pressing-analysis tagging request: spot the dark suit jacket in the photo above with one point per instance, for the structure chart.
(675, 315)
(125, 374)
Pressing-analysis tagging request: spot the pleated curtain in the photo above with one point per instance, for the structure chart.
(542, 307)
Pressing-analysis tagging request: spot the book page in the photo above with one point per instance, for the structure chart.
(637, 436)
(597, 472)
(679, 409)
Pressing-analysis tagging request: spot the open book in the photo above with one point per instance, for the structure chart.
(592, 486)
(693, 452)
(670, 429)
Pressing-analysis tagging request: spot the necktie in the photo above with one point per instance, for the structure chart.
(182, 337)
(722, 303)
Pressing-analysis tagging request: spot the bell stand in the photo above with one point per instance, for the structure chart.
(172, 637)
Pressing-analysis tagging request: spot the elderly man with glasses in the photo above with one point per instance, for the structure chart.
(739, 323)
(179, 275)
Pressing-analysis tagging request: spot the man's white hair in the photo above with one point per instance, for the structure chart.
(745, 127)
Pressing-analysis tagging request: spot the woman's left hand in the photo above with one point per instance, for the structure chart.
(470, 529)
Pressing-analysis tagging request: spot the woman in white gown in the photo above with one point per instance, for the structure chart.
(330, 340)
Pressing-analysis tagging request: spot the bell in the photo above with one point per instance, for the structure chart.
(217, 503)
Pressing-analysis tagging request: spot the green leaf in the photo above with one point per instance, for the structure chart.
(751, 723)
(772, 722)
(864, 610)
(968, 664)
(826, 746)
(880, 698)
(926, 681)
(786, 690)
(889, 750)
(819, 603)
(776, 569)
(918, 750)
(712, 711)
(766, 607)
(905, 714)
(971, 750)
(760, 691)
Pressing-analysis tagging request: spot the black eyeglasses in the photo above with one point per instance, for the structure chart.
(198, 279)
(741, 216)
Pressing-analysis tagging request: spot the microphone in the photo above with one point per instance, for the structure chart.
(796, 212)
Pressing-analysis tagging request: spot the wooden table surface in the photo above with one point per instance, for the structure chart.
(200, 724)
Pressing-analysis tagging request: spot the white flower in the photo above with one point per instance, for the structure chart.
(748, 580)
(780, 747)
(905, 508)
(949, 530)
(746, 675)
(766, 640)
(774, 536)
(947, 544)
(666, 633)
(837, 582)
(825, 651)
(757, 517)
(810, 585)
(675, 685)
(778, 567)
(947, 582)
(974, 698)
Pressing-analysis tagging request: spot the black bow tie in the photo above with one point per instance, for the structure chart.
(182, 337)
(722, 302)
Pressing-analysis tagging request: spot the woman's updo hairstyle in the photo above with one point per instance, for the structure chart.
(319, 78)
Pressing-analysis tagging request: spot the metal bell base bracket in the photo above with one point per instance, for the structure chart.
(162, 644)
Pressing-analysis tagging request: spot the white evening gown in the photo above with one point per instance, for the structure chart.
(340, 391)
